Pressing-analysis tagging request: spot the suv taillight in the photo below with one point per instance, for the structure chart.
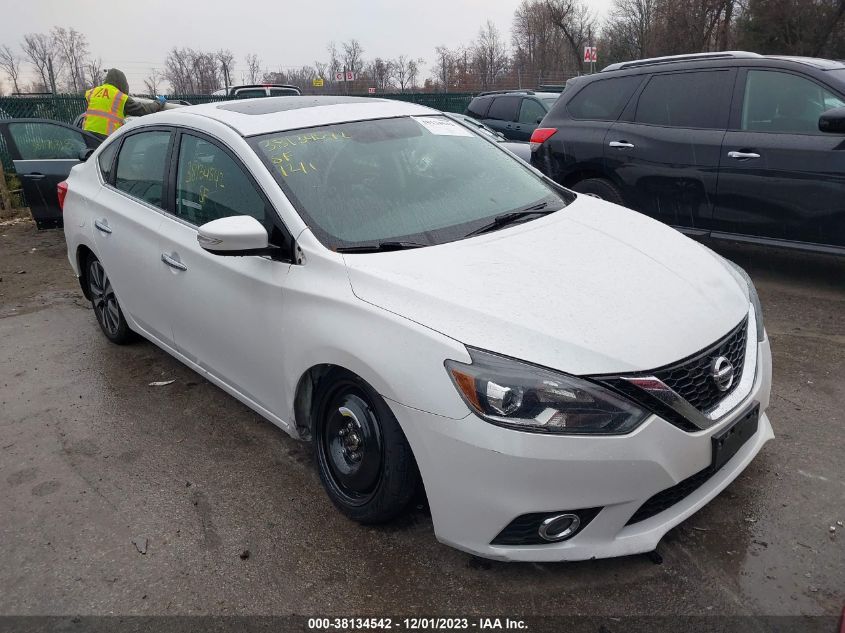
(61, 190)
(540, 136)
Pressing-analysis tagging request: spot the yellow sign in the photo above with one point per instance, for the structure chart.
(317, 82)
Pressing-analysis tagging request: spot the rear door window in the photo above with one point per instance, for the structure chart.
(531, 112)
(141, 165)
(106, 161)
(782, 102)
(47, 141)
(603, 100)
(687, 100)
(504, 109)
(283, 92)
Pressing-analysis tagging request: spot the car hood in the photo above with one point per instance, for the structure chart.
(591, 289)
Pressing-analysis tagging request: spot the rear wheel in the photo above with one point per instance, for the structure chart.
(600, 188)
(364, 460)
(103, 300)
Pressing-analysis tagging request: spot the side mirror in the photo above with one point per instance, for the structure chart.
(833, 121)
(235, 235)
(85, 154)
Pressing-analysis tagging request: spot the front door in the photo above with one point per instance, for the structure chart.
(665, 148)
(779, 176)
(43, 153)
(227, 311)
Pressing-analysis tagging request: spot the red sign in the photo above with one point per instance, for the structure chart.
(591, 53)
(372, 91)
(350, 76)
(338, 76)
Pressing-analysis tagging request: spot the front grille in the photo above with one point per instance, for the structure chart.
(691, 378)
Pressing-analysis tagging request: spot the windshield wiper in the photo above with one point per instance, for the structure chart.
(509, 218)
(380, 247)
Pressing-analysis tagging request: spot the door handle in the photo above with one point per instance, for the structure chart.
(102, 225)
(743, 155)
(35, 176)
(173, 263)
(621, 144)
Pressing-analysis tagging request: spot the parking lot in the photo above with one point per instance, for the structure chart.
(119, 497)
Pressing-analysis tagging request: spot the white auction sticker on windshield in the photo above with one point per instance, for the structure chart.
(442, 126)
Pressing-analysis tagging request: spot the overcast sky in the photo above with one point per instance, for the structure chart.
(136, 35)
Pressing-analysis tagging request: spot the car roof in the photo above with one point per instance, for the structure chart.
(517, 93)
(251, 117)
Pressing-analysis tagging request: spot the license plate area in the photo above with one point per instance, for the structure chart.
(728, 441)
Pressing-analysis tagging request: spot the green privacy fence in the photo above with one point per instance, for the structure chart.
(67, 108)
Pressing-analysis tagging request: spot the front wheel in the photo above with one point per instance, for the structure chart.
(600, 188)
(106, 308)
(364, 460)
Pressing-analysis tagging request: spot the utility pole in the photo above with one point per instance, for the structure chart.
(51, 75)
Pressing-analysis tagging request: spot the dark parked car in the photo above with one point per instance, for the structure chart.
(514, 113)
(520, 148)
(727, 145)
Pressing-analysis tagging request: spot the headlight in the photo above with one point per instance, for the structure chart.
(517, 395)
(752, 296)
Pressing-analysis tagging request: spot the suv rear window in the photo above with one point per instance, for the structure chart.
(478, 107)
(691, 100)
(603, 100)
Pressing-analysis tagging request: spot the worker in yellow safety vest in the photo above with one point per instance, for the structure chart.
(109, 104)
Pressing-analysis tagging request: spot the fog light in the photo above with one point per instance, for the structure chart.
(559, 527)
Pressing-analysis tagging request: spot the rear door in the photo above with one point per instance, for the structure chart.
(779, 176)
(502, 114)
(665, 148)
(531, 112)
(128, 213)
(43, 153)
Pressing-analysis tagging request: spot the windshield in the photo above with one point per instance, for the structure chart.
(426, 180)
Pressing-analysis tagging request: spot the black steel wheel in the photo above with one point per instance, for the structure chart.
(105, 304)
(364, 459)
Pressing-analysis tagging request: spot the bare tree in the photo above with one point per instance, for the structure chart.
(94, 69)
(539, 47)
(178, 71)
(253, 65)
(444, 62)
(10, 63)
(335, 64)
(40, 51)
(489, 55)
(72, 46)
(226, 60)
(381, 72)
(353, 56)
(577, 24)
(414, 71)
(321, 69)
(152, 82)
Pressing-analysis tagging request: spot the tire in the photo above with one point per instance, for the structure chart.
(600, 188)
(105, 305)
(364, 460)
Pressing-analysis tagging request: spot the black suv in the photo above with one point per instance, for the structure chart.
(727, 145)
(514, 113)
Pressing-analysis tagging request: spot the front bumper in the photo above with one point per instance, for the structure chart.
(479, 477)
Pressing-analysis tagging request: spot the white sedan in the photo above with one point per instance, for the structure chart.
(567, 379)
